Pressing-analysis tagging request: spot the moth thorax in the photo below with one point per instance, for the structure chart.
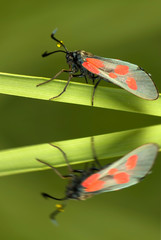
(69, 57)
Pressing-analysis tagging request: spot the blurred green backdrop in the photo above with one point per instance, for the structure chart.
(128, 30)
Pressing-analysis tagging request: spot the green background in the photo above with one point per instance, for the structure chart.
(126, 30)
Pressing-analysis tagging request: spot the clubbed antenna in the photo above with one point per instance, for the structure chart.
(45, 195)
(60, 208)
(60, 42)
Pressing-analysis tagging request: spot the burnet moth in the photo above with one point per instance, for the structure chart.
(125, 172)
(124, 74)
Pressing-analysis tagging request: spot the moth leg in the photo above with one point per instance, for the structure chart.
(64, 155)
(94, 168)
(53, 168)
(95, 86)
(81, 75)
(93, 77)
(78, 170)
(78, 75)
(86, 78)
(94, 153)
(68, 164)
(70, 77)
(63, 70)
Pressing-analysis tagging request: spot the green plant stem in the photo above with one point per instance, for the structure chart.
(77, 93)
(110, 145)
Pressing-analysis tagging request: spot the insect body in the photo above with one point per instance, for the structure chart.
(123, 173)
(124, 74)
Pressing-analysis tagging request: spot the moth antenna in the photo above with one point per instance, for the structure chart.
(45, 54)
(59, 209)
(46, 195)
(60, 42)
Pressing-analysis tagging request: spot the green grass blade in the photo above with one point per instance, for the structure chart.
(77, 93)
(78, 150)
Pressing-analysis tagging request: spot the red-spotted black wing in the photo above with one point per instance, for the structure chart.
(123, 173)
(124, 74)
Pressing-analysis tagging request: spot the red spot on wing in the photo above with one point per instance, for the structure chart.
(112, 171)
(92, 183)
(90, 179)
(98, 63)
(96, 186)
(112, 75)
(121, 69)
(131, 162)
(90, 67)
(131, 83)
(121, 177)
